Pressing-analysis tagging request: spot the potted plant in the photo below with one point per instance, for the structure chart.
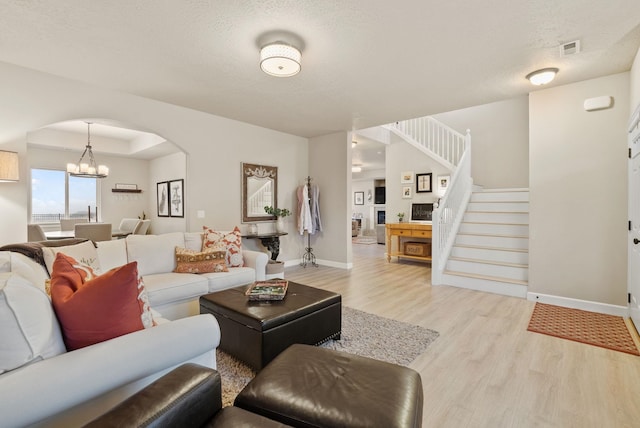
(279, 213)
(400, 217)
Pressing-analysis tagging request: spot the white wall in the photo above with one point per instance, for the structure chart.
(578, 192)
(166, 168)
(330, 168)
(215, 147)
(365, 211)
(401, 157)
(634, 83)
(499, 141)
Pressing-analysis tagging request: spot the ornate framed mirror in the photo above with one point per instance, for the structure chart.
(259, 189)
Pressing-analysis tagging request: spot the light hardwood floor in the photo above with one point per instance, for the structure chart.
(486, 369)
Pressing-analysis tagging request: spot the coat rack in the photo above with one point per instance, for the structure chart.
(308, 256)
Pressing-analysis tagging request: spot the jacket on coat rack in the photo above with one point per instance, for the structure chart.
(304, 211)
(316, 222)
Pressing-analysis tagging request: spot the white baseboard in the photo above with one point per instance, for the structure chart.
(585, 305)
(329, 263)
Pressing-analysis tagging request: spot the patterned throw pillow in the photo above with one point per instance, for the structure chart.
(92, 308)
(232, 241)
(205, 261)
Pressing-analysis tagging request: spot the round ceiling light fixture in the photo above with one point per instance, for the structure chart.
(280, 60)
(542, 76)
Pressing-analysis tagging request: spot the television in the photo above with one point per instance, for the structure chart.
(421, 212)
(380, 195)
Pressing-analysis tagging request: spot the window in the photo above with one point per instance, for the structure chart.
(56, 195)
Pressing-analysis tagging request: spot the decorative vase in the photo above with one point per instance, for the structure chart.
(280, 224)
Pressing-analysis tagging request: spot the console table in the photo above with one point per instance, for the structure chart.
(408, 230)
(270, 240)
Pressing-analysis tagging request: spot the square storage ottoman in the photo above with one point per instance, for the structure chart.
(255, 332)
(316, 387)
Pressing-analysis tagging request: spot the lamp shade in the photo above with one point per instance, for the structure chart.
(9, 170)
(280, 60)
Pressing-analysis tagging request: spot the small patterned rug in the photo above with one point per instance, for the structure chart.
(366, 240)
(363, 334)
(605, 331)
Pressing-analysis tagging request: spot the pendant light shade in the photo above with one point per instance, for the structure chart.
(9, 170)
(86, 167)
(280, 60)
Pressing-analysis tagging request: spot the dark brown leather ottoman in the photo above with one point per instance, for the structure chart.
(307, 386)
(257, 331)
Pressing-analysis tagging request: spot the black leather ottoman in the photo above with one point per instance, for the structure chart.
(256, 331)
(307, 386)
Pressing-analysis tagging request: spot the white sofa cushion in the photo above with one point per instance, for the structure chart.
(112, 254)
(28, 326)
(29, 269)
(5, 261)
(193, 241)
(84, 252)
(172, 287)
(154, 253)
(235, 277)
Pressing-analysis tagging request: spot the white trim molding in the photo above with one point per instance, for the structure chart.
(585, 305)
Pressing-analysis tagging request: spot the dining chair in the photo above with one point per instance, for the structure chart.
(128, 225)
(35, 233)
(142, 227)
(69, 223)
(94, 231)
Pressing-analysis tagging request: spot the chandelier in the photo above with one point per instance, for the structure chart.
(87, 168)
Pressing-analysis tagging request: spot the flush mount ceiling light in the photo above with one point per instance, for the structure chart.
(356, 168)
(280, 60)
(87, 168)
(542, 76)
(354, 143)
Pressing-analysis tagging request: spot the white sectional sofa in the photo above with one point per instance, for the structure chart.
(59, 388)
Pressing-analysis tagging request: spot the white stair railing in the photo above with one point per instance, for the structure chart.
(448, 215)
(434, 138)
(259, 199)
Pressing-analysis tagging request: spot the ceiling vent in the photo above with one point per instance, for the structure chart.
(570, 48)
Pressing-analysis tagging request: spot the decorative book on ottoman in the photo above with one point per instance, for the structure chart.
(267, 290)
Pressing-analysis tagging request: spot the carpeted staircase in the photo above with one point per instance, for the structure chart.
(491, 250)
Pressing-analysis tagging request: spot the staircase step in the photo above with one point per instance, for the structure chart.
(493, 241)
(511, 271)
(512, 195)
(496, 217)
(494, 228)
(498, 206)
(486, 283)
(518, 256)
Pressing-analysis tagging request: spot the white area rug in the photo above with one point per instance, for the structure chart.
(366, 240)
(363, 334)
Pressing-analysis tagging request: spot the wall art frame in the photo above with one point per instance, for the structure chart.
(358, 198)
(176, 198)
(424, 183)
(162, 198)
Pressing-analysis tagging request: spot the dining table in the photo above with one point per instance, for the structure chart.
(65, 234)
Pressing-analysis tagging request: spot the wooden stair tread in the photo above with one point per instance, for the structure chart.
(493, 235)
(487, 277)
(481, 247)
(489, 262)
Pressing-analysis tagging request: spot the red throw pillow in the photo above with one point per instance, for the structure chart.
(232, 241)
(92, 308)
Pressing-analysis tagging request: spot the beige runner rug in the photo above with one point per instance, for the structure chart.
(605, 331)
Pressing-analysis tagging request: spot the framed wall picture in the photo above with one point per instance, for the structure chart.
(358, 198)
(423, 183)
(443, 183)
(406, 177)
(176, 198)
(163, 198)
(406, 192)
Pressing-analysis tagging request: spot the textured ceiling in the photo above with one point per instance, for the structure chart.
(364, 62)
